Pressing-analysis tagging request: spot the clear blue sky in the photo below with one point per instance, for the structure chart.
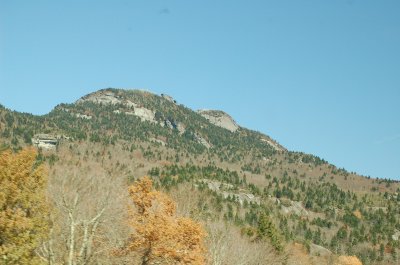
(321, 77)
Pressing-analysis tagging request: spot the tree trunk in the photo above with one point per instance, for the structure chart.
(71, 243)
(146, 256)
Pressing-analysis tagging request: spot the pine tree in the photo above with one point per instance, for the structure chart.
(267, 229)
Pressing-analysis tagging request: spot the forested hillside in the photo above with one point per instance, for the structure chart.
(230, 195)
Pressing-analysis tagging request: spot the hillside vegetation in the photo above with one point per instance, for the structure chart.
(250, 199)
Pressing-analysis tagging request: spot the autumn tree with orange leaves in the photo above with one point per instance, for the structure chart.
(23, 207)
(158, 234)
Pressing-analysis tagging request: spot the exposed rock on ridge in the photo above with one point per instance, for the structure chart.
(130, 106)
(220, 118)
(108, 97)
(101, 96)
(275, 145)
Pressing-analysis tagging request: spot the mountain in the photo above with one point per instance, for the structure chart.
(219, 173)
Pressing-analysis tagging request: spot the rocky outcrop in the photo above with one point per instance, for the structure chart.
(163, 143)
(130, 104)
(83, 116)
(295, 208)
(169, 98)
(173, 125)
(45, 141)
(219, 118)
(317, 250)
(396, 235)
(198, 138)
(181, 128)
(106, 97)
(274, 145)
(241, 197)
(101, 97)
(125, 105)
(224, 190)
(109, 97)
(78, 115)
(48, 141)
(216, 185)
(144, 114)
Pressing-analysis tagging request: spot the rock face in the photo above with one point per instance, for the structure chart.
(317, 250)
(128, 107)
(295, 208)
(83, 116)
(144, 114)
(274, 145)
(219, 118)
(224, 189)
(109, 97)
(181, 128)
(101, 97)
(78, 115)
(201, 140)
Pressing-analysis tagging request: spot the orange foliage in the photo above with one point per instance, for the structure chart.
(348, 260)
(158, 233)
(23, 208)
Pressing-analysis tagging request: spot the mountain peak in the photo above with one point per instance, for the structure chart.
(163, 111)
(106, 96)
(111, 95)
(220, 118)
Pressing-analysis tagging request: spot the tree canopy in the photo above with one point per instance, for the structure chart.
(158, 233)
(23, 207)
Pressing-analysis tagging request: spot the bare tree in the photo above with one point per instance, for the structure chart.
(227, 246)
(187, 199)
(224, 242)
(86, 219)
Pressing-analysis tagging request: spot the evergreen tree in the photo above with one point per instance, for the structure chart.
(267, 229)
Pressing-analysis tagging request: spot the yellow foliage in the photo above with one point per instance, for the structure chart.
(23, 207)
(357, 214)
(348, 260)
(158, 233)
